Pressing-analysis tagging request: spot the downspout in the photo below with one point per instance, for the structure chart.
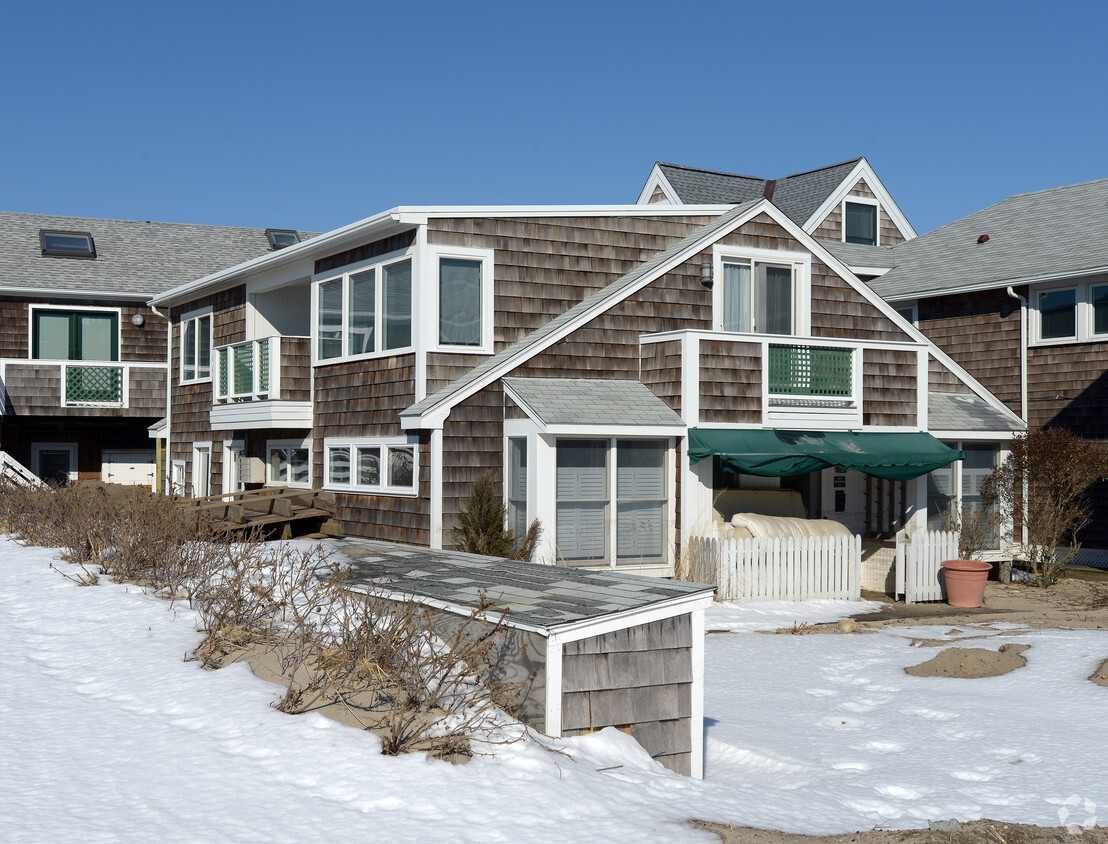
(163, 471)
(1023, 352)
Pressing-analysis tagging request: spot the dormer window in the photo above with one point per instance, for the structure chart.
(280, 238)
(63, 244)
(860, 224)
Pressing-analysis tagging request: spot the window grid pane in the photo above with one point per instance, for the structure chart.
(1099, 297)
(329, 319)
(401, 466)
(369, 466)
(338, 466)
(397, 304)
(361, 314)
(1058, 314)
(861, 223)
(459, 302)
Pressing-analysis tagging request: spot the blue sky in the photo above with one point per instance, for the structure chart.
(314, 115)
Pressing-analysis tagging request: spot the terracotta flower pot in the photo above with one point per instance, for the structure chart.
(964, 582)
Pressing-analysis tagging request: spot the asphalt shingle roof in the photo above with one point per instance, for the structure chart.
(962, 412)
(536, 337)
(1057, 231)
(859, 254)
(798, 195)
(133, 258)
(535, 595)
(577, 401)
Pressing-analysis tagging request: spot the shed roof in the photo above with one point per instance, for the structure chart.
(964, 412)
(860, 254)
(133, 258)
(579, 401)
(535, 596)
(1050, 233)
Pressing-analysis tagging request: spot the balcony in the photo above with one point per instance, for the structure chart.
(775, 381)
(264, 383)
(93, 386)
(74, 388)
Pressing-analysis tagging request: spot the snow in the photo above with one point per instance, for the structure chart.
(109, 734)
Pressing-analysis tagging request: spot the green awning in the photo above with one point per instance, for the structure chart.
(776, 454)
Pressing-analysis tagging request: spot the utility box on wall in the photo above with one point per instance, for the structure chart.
(251, 469)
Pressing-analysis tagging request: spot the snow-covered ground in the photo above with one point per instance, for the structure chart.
(107, 734)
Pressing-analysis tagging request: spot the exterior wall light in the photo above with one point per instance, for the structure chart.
(706, 274)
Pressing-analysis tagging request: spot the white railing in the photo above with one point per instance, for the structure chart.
(14, 471)
(248, 371)
(919, 560)
(817, 567)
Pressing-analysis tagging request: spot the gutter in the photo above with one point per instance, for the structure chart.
(164, 470)
(1023, 352)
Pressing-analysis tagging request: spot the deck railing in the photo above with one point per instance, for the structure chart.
(93, 385)
(248, 371)
(821, 372)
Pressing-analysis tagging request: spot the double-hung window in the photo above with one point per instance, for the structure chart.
(58, 334)
(365, 311)
(196, 348)
(373, 465)
(611, 501)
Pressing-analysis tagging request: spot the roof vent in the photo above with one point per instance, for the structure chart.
(63, 244)
(280, 238)
(982, 238)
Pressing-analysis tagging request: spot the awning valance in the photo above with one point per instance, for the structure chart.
(774, 454)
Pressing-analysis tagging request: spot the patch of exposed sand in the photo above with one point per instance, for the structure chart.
(976, 832)
(1100, 676)
(971, 663)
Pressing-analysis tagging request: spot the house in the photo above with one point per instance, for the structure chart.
(1017, 294)
(578, 353)
(82, 357)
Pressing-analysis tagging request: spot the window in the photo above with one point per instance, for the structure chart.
(383, 466)
(364, 312)
(62, 244)
(1098, 297)
(592, 504)
(860, 223)
(1075, 312)
(517, 485)
(910, 312)
(196, 348)
(74, 335)
(958, 486)
(1058, 314)
(201, 469)
(280, 238)
(289, 462)
(758, 297)
(459, 302)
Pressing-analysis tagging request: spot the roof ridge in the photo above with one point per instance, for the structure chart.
(29, 214)
(1048, 190)
(713, 172)
(825, 167)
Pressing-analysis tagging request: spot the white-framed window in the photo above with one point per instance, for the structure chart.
(363, 311)
(612, 500)
(196, 347)
(958, 485)
(761, 291)
(379, 465)
(74, 333)
(463, 298)
(517, 485)
(860, 217)
(201, 469)
(1070, 312)
(908, 310)
(289, 462)
(54, 462)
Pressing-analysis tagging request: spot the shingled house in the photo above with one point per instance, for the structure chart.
(82, 357)
(575, 352)
(1018, 294)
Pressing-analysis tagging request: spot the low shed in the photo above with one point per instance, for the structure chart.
(593, 649)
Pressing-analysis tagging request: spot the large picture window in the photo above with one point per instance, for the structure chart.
(364, 312)
(603, 516)
(196, 348)
(373, 465)
(74, 335)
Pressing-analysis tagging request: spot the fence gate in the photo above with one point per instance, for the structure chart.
(919, 561)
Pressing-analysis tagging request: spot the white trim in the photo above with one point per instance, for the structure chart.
(435, 253)
(76, 293)
(227, 459)
(197, 448)
(195, 316)
(553, 667)
(256, 415)
(696, 726)
(861, 172)
(71, 447)
(862, 200)
(385, 444)
(1061, 275)
(801, 264)
(657, 179)
(436, 494)
(1083, 316)
(272, 445)
(36, 306)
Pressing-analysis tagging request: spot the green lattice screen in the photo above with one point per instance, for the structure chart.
(818, 371)
(223, 367)
(103, 384)
(263, 366)
(244, 369)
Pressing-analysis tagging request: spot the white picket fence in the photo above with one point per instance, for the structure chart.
(779, 569)
(919, 561)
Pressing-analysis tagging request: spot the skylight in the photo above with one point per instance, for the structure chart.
(280, 238)
(63, 244)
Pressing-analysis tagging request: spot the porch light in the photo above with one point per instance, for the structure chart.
(706, 274)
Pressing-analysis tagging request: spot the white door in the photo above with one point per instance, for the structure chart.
(133, 468)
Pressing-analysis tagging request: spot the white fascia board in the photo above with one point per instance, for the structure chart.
(254, 415)
(422, 214)
(439, 412)
(977, 436)
(875, 271)
(657, 179)
(576, 630)
(1043, 278)
(30, 293)
(737, 337)
(862, 170)
(610, 430)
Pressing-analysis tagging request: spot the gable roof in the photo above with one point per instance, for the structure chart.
(860, 254)
(962, 412)
(1037, 236)
(801, 194)
(591, 401)
(134, 259)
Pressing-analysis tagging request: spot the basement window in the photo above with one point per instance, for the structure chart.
(63, 244)
(280, 238)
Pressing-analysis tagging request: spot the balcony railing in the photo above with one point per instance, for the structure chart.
(99, 386)
(243, 370)
(811, 372)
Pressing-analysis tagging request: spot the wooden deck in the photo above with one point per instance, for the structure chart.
(280, 512)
